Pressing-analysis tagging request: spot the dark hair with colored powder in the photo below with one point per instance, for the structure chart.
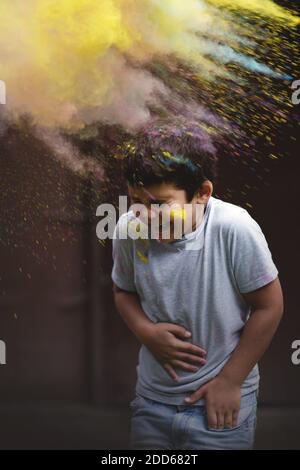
(184, 156)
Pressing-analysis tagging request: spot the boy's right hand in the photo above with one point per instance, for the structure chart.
(162, 339)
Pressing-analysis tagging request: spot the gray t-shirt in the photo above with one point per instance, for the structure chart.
(199, 288)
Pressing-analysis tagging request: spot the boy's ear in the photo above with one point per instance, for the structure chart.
(203, 194)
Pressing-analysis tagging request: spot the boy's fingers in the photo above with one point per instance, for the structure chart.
(179, 331)
(190, 348)
(195, 396)
(212, 420)
(228, 420)
(185, 365)
(190, 358)
(170, 371)
(220, 418)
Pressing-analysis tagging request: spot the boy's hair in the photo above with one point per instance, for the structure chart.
(181, 155)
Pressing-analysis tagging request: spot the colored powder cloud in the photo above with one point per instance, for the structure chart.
(69, 63)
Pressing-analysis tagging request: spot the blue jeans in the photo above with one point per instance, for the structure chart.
(156, 425)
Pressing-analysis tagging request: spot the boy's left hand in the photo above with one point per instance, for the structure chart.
(223, 400)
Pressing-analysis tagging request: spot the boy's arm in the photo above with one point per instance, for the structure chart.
(223, 393)
(162, 339)
(266, 312)
(128, 305)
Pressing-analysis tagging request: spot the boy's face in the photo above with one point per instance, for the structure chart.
(177, 210)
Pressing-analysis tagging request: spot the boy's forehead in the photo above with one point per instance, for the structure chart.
(163, 190)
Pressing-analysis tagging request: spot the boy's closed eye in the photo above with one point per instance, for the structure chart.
(147, 203)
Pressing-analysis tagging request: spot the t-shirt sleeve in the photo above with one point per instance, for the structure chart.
(251, 259)
(122, 252)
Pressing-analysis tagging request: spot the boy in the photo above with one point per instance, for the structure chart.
(217, 281)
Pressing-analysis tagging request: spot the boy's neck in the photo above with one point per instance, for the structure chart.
(199, 221)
